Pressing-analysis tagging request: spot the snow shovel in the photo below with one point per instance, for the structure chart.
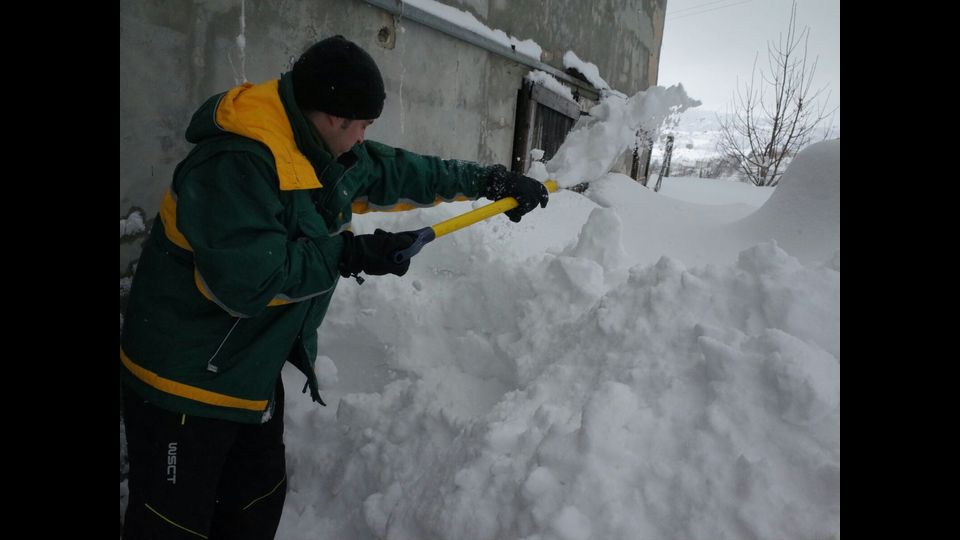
(429, 234)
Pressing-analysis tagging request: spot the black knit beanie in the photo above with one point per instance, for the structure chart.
(337, 77)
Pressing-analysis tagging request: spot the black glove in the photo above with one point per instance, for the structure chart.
(527, 191)
(372, 253)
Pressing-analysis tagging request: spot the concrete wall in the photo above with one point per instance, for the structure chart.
(444, 97)
(622, 37)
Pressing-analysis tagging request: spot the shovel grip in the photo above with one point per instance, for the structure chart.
(423, 237)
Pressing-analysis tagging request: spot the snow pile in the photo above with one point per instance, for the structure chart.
(803, 213)
(658, 225)
(539, 399)
(600, 239)
(517, 384)
(618, 365)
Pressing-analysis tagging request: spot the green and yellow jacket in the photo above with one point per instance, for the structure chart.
(239, 269)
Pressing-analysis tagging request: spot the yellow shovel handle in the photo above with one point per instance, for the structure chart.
(427, 234)
(465, 220)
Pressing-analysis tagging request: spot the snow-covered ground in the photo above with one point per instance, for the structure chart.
(621, 364)
(712, 191)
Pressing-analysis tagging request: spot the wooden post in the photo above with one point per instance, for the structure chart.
(667, 153)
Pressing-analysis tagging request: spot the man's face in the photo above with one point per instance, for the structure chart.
(346, 134)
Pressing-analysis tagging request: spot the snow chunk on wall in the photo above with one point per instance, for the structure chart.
(588, 69)
(132, 224)
(550, 82)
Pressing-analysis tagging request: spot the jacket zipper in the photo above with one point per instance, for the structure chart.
(210, 365)
(336, 183)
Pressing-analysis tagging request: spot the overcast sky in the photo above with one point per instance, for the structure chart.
(708, 43)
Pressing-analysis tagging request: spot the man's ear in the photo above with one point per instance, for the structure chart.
(332, 121)
(323, 120)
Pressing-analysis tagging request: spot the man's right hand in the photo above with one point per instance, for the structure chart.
(373, 253)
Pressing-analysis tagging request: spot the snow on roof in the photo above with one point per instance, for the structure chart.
(463, 19)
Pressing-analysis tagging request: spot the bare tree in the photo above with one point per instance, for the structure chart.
(774, 117)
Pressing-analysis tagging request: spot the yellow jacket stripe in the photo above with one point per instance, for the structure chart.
(205, 291)
(362, 206)
(168, 217)
(190, 392)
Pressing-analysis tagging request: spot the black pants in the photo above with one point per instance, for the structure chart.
(193, 477)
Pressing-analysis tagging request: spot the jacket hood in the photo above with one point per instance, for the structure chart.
(255, 111)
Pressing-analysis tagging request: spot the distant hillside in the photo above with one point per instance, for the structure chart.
(696, 133)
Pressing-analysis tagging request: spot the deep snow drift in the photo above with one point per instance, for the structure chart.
(618, 365)
(803, 213)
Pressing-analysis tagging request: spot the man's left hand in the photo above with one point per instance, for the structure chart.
(529, 193)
